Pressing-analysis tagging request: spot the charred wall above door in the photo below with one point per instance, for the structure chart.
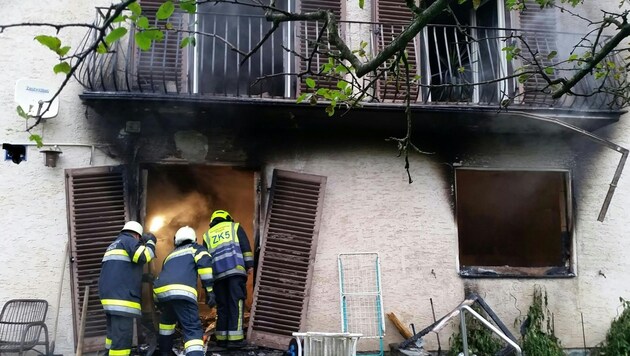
(194, 112)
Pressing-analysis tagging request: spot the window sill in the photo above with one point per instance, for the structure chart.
(515, 272)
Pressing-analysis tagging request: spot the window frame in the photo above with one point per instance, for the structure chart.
(568, 271)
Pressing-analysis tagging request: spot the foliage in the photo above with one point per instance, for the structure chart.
(537, 329)
(481, 341)
(617, 340)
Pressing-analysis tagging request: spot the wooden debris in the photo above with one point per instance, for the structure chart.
(404, 331)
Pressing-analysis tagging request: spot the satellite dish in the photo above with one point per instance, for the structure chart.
(32, 95)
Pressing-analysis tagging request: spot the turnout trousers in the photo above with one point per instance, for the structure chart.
(230, 295)
(186, 312)
(119, 335)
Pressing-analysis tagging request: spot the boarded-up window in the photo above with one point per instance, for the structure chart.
(161, 68)
(97, 211)
(285, 265)
(516, 222)
(392, 17)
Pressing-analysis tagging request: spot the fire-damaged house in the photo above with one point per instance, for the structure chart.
(505, 199)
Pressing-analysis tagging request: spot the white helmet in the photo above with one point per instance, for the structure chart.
(133, 226)
(184, 234)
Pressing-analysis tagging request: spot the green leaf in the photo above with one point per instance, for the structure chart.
(63, 51)
(155, 35)
(165, 11)
(361, 4)
(101, 49)
(342, 84)
(188, 41)
(476, 4)
(62, 67)
(135, 8)
(341, 69)
(188, 6)
(461, 69)
(548, 70)
(120, 18)
(22, 113)
(143, 22)
(169, 26)
(310, 83)
(115, 35)
(552, 55)
(51, 42)
(142, 41)
(330, 110)
(37, 139)
(302, 97)
(322, 91)
(573, 57)
(523, 78)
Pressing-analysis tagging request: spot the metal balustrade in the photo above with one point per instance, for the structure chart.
(449, 65)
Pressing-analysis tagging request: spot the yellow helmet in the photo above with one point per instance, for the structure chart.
(221, 214)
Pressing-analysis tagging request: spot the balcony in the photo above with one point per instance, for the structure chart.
(445, 61)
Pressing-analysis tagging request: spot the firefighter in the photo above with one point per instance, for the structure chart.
(120, 284)
(232, 261)
(175, 292)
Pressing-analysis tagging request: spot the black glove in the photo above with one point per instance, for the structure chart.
(210, 299)
(148, 237)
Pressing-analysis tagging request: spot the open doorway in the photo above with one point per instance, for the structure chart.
(181, 195)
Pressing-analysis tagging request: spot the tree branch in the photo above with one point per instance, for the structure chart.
(568, 84)
(399, 43)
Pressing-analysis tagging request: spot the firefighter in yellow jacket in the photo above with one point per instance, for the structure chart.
(232, 261)
(175, 292)
(120, 284)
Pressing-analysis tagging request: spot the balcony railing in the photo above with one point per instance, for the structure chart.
(451, 65)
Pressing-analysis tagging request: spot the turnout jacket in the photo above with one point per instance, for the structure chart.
(178, 279)
(229, 247)
(120, 282)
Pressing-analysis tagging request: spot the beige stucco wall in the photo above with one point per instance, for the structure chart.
(34, 224)
(368, 206)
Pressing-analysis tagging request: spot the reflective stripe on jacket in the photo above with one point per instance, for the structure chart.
(178, 279)
(229, 247)
(120, 282)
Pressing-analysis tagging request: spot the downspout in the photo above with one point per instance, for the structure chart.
(601, 141)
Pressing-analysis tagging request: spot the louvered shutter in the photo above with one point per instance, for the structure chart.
(161, 68)
(539, 31)
(97, 209)
(392, 17)
(308, 33)
(285, 266)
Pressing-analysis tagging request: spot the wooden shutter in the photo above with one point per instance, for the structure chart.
(97, 210)
(285, 266)
(543, 41)
(161, 68)
(392, 16)
(309, 30)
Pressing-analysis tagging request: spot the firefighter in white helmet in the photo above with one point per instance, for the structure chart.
(120, 284)
(175, 292)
